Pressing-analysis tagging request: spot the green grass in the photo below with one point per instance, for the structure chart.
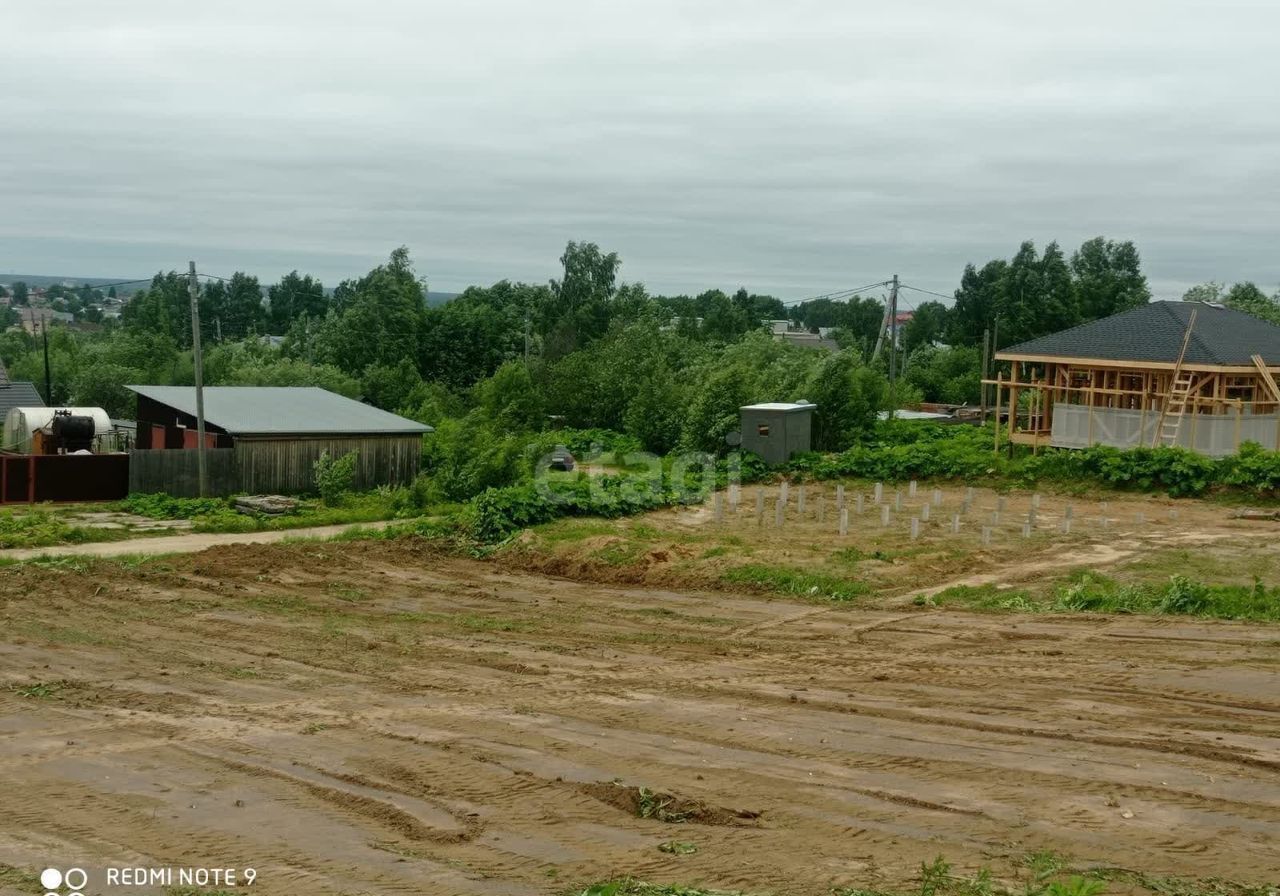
(1092, 592)
(472, 622)
(619, 553)
(783, 580)
(1096, 593)
(678, 847)
(1041, 874)
(16, 879)
(630, 887)
(40, 690)
(984, 597)
(63, 634)
(40, 528)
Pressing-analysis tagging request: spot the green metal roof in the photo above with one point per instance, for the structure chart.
(282, 410)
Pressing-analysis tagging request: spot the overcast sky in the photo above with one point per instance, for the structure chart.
(791, 147)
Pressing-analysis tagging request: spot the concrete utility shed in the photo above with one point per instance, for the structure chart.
(777, 430)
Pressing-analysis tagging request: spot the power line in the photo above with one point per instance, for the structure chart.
(840, 293)
(929, 292)
(90, 285)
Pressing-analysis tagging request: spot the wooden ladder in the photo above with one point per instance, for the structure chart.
(1175, 403)
(1267, 378)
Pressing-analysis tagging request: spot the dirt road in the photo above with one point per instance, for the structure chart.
(369, 717)
(183, 544)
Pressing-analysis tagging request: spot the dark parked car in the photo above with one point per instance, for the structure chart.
(561, 459)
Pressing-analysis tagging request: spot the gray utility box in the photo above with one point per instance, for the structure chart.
(776, 430)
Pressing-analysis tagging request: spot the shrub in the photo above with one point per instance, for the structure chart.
(334, 478)
(167, 507)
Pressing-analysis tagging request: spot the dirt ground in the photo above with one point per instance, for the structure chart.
(372, 717)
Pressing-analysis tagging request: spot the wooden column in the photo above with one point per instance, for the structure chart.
(999, 390)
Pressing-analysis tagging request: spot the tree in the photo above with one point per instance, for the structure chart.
(848, 395)
(241, 313)
(509, 400)
(1247, 297)
(947, 375)
(1209, 293)
(654, 414)
(21, 294)
(978, 302)
(580, 310)
(293, 297)
(470, 337)
(380, 320)
(926, 326)
(164, 307)
(389, 386)
(1036, 295)
(1108, 278)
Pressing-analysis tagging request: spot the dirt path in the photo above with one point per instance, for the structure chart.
(369, 717)
(183, 544)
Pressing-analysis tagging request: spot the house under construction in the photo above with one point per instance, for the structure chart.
(1168, 373)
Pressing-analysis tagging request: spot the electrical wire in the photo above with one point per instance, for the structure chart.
(838, 294)
(92, 285)
(926, 292)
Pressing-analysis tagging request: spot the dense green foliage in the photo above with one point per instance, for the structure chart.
(905, 450)
(1246, 297)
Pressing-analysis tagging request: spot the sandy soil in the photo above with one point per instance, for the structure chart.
(369, 717)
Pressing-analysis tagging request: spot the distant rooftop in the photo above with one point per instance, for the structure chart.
(780, 406)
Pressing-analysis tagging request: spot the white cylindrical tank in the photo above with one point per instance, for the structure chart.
(21, 423)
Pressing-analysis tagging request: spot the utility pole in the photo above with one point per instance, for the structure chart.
(986, 369)
(893, 347)
(193, 287)
(526, 336)
(48, 377)
(884, 325)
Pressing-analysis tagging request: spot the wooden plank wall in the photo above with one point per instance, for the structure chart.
(176, 472)
(285, 465)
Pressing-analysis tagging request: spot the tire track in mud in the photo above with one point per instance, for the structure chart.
(442, 750)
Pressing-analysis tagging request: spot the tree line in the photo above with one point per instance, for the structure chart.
(585, 350)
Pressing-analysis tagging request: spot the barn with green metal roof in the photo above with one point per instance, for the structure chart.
(267, 439)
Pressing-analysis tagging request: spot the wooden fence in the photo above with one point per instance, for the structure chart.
(177, 472)
(63, 477)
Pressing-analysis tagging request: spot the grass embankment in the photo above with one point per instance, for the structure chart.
(54, 525)
(1093, 592)
(218, 514)
(43, 528)
(1036, 874)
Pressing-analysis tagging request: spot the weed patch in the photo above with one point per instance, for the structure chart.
(782, 580)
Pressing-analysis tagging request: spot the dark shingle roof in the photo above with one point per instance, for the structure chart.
(1154, 332)
(18, 395)
(282, 410)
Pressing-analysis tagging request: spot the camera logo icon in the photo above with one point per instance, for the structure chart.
(64, 883)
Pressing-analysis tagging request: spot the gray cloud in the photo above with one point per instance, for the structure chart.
(793, 148)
